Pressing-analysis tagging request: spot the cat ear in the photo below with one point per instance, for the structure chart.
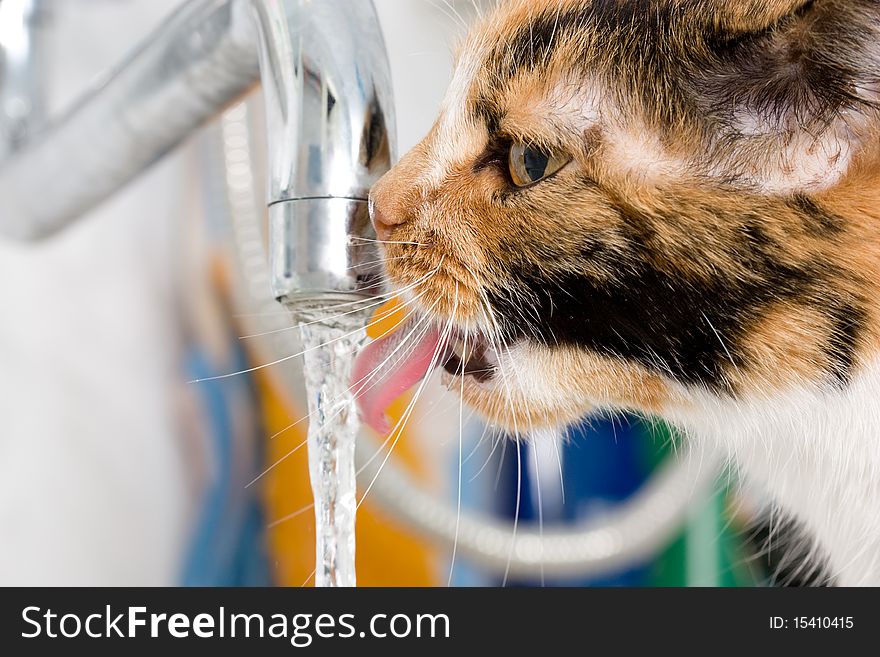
(795, 81)
(736, 17)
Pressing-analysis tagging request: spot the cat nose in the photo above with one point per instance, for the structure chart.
(383, 223)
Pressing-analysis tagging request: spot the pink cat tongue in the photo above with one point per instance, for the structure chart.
(376, 383)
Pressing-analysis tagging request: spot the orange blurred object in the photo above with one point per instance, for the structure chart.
(387, 318)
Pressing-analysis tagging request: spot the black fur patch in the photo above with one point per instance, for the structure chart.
(848, 320)
(784, 548)
(817, 220)
(532, 45)
(646, 317)
(690, 331)
(487, 113)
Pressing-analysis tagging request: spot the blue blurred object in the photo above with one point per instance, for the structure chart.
(603, 463)
(228, 546)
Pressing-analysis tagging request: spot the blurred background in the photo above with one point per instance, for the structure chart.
(116, 470)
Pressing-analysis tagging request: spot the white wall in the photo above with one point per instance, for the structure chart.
(93, 488)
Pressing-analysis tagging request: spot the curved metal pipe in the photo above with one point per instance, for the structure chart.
(200, 59)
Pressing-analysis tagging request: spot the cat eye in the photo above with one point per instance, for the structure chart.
(530, 164)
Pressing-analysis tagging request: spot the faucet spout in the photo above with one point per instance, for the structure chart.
(329, 111)
(330, 126)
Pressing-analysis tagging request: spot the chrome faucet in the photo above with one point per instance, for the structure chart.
(329, 117)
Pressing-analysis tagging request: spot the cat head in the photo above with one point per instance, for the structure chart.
(624, 202)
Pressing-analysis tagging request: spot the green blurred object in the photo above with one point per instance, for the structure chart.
(710, 550)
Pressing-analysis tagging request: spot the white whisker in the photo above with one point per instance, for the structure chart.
(290, 516)
(370, 240)
(460, 450)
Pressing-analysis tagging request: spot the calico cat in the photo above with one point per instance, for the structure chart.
(670, 207)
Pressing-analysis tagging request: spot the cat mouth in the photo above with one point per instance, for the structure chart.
(390, 365)
(470, 355)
